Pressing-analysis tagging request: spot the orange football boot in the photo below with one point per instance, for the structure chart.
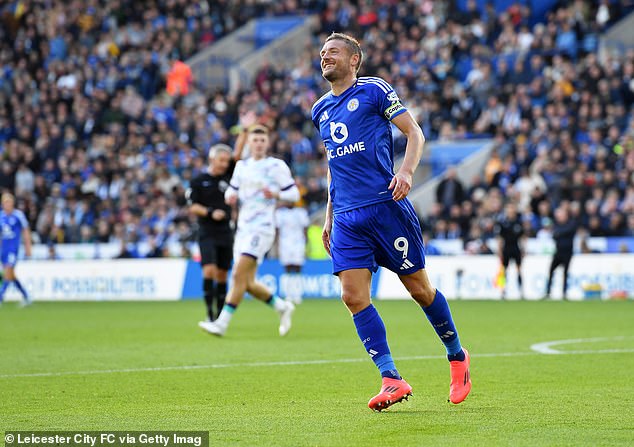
(392, 392)
(460, 379)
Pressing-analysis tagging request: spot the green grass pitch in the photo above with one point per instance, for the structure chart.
(147, 366)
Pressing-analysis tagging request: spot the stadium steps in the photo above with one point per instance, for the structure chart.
(468, 157)
(234, 60)
(619, 37)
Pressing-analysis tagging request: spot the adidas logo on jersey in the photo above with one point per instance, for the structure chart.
(406, 265)
(324, 116)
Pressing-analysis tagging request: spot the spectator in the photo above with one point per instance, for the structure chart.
(450, 190)
(179, 79)
(563, 233)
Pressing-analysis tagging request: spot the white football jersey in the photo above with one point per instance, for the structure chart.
(292, 224)
(250, 178)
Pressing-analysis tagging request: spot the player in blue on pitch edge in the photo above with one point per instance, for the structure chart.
(14, 227)
(369, 220)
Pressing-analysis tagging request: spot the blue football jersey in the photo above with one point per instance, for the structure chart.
(11, 226)
(356, 130)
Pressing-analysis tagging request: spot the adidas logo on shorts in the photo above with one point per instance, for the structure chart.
(406, 265)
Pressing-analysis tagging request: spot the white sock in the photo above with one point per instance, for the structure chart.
(224, 318)
(279, 304)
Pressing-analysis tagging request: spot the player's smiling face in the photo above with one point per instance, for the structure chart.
(335, 61)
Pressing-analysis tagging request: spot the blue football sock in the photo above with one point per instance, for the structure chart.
(3, 289)
(371, 331)
(18, 284)
(439, 316)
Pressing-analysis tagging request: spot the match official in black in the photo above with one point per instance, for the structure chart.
(564, 232)
(510, 234)
(215, 232)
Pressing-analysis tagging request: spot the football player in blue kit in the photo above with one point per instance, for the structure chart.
(14, 227)
(369, 220)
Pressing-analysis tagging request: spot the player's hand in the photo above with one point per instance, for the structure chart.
(400, 185)
(218, 214)
(248, 119)
(270, 194)
(325, 235)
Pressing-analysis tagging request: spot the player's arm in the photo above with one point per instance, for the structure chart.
(241, 141)
(325, 234)
(198, 209)
(26, 233)
(193, 199)
(402, 181)
(246, 120)
(231, 194)
(288, 191)
(26, 237)
(213, 213)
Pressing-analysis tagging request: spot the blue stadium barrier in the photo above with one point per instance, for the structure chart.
(620, 244)
(443, 155)
(269, 29)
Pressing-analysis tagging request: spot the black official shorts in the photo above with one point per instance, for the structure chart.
(211, 252)
(515, 255)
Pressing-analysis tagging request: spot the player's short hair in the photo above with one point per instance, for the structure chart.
(217, 148)
(7, 196)
(258, 129)
(351, 43)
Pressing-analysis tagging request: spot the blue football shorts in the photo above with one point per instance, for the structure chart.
(385, 234)
(8, 258)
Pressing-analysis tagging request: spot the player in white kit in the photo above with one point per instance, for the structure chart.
(292, 223)
(257, 184)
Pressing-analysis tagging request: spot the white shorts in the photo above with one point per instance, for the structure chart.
(292, 254)
(252, 243)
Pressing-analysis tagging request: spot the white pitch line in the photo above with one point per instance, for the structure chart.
(297, 363)
(239, 365)
(547, 346)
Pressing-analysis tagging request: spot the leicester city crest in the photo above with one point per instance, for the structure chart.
(353, 104)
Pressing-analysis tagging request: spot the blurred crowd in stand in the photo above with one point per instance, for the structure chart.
(102, 125)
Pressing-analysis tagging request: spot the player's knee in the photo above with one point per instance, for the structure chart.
(221, 275)
(239, 277)
(250, 282)
(354, 301)
(424, 295)
(209, 271)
